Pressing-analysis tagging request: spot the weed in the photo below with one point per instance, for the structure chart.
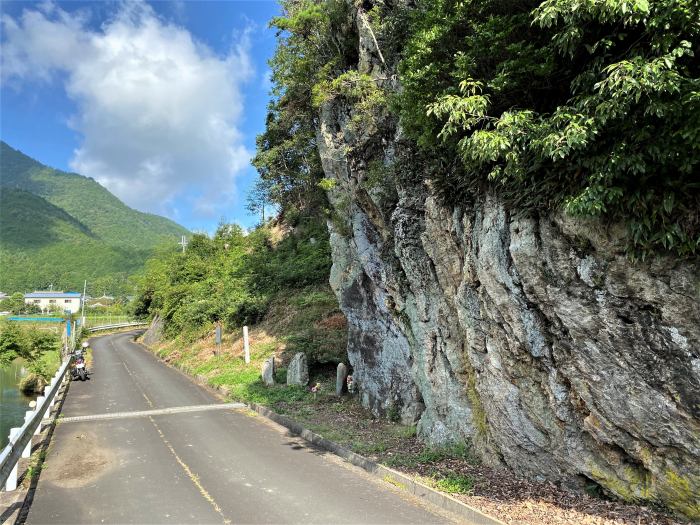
(393, 414)
(404, 431)
(391, 480)
(453, 483)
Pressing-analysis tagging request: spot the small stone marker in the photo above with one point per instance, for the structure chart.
(298, 370)
(340, 378)
(268, 371)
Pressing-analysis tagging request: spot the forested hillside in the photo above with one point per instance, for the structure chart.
(62, 228)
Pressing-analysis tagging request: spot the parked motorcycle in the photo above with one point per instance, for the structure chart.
(79, 370)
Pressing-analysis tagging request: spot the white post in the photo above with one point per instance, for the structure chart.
(246, 344)
(12, 478)
(39, 401)
(53, 399)
(28, 449)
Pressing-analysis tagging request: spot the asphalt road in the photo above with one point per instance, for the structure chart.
(222, 466)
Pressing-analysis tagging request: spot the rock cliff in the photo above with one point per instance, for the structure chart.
(534, 337)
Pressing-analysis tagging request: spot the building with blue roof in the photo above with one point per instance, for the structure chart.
(53, 300)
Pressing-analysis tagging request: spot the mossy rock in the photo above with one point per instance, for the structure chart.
(32, 384)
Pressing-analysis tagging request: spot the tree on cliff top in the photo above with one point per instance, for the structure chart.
(313, 45)
(589, 105)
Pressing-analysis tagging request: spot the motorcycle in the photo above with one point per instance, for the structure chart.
(79, 371)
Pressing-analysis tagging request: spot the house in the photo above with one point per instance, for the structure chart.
(61, 301)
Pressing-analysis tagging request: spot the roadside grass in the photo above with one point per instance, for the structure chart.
(36, 464)
(432, 455)
(306, 320)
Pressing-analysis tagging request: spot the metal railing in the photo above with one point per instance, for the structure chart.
(20, 445)
(116, 325)
(99, 320)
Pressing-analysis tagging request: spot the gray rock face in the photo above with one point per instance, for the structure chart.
(154, 333)
(533, 337)
(298, 370)
(268, 371)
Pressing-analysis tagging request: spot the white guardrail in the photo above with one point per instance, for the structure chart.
(116, 325)
(20, 444)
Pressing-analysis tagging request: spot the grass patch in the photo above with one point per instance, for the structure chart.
(427, 456)
(370, 448)
(36, 464)
(453, 483)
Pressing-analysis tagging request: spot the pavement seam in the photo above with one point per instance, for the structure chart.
(148, 413)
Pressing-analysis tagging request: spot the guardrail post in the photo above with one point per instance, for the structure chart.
(53, 399)
(246, 344)
(39, 401)
(28, 449)
(12, 478)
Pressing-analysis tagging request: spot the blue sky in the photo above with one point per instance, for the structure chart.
(160, 102)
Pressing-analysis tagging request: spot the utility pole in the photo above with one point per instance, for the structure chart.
(82, 305)
(183, 243)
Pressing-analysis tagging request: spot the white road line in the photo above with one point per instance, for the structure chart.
(155, 412)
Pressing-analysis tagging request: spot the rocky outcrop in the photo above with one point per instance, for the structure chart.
(534, 337)
(154, 332)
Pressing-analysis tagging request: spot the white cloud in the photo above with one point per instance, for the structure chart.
(158, 111)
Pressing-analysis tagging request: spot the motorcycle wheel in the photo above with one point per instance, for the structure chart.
(82, 375)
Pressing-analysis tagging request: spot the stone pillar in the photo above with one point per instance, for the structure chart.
(268, 371)
(298, 370)
(340, 377)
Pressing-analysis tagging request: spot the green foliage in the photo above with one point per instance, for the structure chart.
(593, 106)
(61, 228)
(41, 348)
(46, 363)
(230, 277)
(15, 304)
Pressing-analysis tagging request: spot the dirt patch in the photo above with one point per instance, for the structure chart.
(79, 462)
(334, 322)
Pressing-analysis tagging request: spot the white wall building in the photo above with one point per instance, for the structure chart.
(61, 301)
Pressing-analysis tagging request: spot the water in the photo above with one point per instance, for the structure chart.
(13, 403)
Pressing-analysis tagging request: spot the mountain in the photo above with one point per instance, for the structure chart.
(61, 228)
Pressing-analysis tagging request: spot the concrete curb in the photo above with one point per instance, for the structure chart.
(394, 477)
